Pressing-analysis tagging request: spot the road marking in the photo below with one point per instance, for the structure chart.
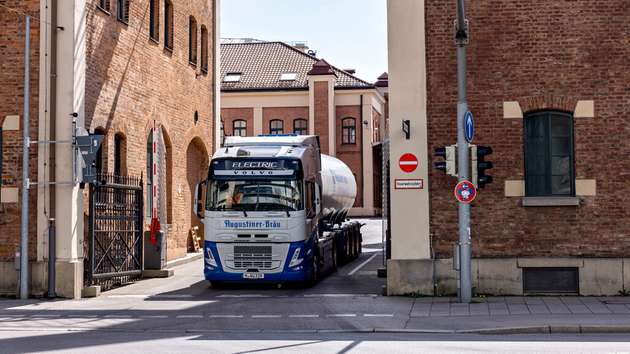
(117, 316)
(154, 316)
(172, 296)
(303, 316)
(226, 316)
(244, 295)
(266, 316)
(362, 264)
(82, 316)
(378, 315)
(339, 295)
(125, 296)
(342, 315)
(46, 316)
(189, 316)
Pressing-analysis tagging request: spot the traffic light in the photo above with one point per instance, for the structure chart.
(449, 165)
(479, 165)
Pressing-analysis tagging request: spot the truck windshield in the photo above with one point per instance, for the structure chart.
(254, 195)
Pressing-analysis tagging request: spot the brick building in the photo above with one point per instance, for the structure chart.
(276, 88)
(137, 72)
(548, 83)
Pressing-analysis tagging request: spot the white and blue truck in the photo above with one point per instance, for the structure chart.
(275, 211)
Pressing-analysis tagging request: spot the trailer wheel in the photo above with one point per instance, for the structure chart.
(313, 275)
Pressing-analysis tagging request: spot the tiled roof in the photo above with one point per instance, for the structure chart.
(262, 64)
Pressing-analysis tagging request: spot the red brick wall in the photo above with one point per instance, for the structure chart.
(229, 115)
(321, 114)
(351, 153)
(544, 54)
(286, 114)
(133, 81)
(12, 40)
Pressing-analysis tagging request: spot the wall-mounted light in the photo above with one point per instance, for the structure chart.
(406, 128)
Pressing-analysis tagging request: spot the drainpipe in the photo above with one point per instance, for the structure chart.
(52, 249)
(362, 149)
(24, 271)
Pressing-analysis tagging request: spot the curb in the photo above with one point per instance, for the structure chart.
(184, 260)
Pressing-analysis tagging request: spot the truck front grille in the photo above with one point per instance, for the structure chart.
(256, 257)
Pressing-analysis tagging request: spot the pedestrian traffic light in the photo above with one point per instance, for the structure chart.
(479, 165)
(449, 165)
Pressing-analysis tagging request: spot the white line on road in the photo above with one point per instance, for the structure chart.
(244, 295)
(378, 315)
(266, 316)
(339, 295)
(342, 315)
(226, 316)
(362, 264)
(189, 316)
(117, 316)
(46, 316)
(124, 296)
(153, 316)
(172, 296)
(82, 316)
(303, 316)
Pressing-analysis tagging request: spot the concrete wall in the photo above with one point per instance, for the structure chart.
(504, 276)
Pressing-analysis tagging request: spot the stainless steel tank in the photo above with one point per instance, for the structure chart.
(339, 187)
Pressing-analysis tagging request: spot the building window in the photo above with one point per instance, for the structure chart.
(122, 10)
(288, 76)
(120, 163)
(99, 153)
(192, 40)
(168, 25)
(222, 137)
(299, 126)
(549, 160)
(154, 19)
(103, 5)
(232, 77)
(276, 127)
(204, 49)
(349, 131)
(239, 128)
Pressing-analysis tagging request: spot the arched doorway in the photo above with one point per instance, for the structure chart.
(197, 161)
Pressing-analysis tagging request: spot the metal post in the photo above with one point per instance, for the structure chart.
(465, 274)
(52, 258)
(25, 164)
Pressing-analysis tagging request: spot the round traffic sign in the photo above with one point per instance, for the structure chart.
(465, 192)
(408, 162)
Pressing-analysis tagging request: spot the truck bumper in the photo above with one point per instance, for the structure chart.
(213, 271)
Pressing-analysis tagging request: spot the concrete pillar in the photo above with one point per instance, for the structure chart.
(70, 99)
(367, 155)
(407, 85)
(258, 120)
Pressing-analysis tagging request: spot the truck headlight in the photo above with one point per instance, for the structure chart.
(296, 260)
(210, 258)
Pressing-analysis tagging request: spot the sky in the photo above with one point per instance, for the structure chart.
(349, 34)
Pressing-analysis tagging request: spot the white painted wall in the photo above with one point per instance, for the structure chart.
(408, 97)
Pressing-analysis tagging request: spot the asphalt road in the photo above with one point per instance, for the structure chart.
(378, 343)
(344, 313)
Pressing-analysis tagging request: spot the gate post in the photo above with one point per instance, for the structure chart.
(91, 234)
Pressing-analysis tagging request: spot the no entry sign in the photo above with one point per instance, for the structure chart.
(408, 163)
(465, 192)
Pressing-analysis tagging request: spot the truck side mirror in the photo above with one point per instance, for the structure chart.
(198, 205)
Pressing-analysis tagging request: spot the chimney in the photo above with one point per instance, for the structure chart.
(301, 46)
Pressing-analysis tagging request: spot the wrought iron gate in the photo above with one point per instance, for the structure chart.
(115, 242)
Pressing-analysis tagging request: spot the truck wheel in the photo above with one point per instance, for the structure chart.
(334, 259)
(313, 275)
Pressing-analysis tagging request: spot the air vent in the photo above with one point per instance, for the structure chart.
(551, 280)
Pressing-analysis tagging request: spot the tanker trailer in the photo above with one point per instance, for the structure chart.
(275, 211)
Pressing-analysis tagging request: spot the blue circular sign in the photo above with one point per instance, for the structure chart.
(469, 126)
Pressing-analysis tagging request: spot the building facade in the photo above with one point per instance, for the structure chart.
(141, 73)
(276, 88)
(548, 86)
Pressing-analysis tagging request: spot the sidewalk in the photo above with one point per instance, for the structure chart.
(517, 314)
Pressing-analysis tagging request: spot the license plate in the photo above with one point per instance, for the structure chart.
(253, 275)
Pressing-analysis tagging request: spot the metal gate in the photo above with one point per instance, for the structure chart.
(115, 242)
